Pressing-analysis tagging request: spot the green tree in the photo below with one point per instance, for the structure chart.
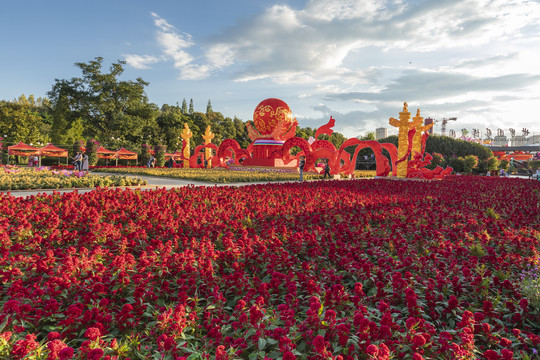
(109, 106)
(184, 106)
(209, 108)
(191, 109)
(21, 123)
(241, 133)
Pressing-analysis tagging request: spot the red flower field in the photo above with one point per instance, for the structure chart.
(362, 269)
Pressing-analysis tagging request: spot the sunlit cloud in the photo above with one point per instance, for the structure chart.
(140, 61)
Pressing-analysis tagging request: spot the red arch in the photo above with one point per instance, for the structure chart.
(302, 144)
(193, 158)
(232, 145)
(383, 166)
(392, 150)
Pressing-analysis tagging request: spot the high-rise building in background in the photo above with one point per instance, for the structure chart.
(381, 133)
(428, 121)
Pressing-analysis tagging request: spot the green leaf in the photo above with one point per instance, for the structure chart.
(262, 343)
(194, 356)
(3, 325)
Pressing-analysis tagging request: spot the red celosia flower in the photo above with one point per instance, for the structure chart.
(507, 354)
(319, 345)
(372, 350)
(418, 340)
(289, 356)
(92, 333)
(491, 355)
(66, 353)
(505, 342)
(95, 354)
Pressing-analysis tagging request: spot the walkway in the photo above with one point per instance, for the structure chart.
(154, 182)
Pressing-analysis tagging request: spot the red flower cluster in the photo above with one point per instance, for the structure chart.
(371, 269)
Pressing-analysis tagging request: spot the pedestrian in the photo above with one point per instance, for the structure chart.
(326, 170)
(77, 161)
(151, 162)
(301, 165)
(84, 161)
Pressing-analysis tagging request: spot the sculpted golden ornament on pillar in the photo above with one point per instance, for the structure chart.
(404, 125)
(420, 130)
(208, 136)
(186, 135)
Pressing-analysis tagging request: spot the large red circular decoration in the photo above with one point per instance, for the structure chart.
(269, 113)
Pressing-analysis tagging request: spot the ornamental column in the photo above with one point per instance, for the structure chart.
(420, 130)
(404, 125)
(186, 135)
(208, 136)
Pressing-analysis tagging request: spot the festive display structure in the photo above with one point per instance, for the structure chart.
(263, 154)
(273, 138)
(274, 124)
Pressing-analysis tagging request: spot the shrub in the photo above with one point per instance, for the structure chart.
(145, 153)
(92, 147)
(457, 164)
(469, 163)
(160, 154)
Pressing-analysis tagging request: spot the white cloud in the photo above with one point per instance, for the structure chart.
(140, 61)
(475, 57)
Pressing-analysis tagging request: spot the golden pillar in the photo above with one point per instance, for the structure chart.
(208, 136)
(186, 135)
(420, 129)
(404, 125)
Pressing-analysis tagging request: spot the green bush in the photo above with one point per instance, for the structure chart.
(92, 147)
(469, 163)
(160, 154)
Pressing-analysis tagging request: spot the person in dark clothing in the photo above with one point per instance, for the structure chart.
(326, 170)
(301, 165)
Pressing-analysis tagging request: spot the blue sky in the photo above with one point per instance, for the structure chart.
(355, 60)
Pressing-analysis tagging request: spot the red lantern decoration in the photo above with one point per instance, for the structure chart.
(269, 113)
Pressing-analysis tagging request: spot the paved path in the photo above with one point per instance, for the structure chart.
(154, 182)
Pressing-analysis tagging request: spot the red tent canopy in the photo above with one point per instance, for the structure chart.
(124, 154)
(54, 151)
(177, 156)
(103, 153)
(22, 149)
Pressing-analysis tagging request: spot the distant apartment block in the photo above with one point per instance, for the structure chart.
(381, 133)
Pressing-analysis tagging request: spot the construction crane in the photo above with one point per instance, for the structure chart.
(443, 124)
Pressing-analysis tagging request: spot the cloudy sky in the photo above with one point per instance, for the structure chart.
(358, 61)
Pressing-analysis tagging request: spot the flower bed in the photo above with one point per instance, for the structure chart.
(15, 178)
(221, 175)
(322, 270)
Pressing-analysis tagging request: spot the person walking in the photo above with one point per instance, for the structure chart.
(301, 165)
(326, 170)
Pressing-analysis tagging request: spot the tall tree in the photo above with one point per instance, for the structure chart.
(184, 106)
(209, 107)
(191, 110)
(109, 106)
